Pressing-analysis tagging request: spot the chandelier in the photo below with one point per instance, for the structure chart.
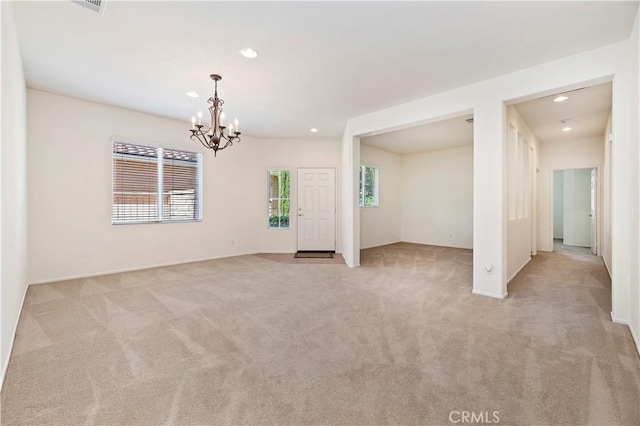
(216, 137)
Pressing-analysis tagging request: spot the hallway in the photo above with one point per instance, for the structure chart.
(558, 247)
(566, 314)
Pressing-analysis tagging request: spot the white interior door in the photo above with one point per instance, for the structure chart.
(592, 213)
(316, 209)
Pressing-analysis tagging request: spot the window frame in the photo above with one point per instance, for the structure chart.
(270, 199)
(376, 188)
(518, 174)
(159, 162)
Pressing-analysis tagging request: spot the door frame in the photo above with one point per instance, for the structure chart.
(335, 203)
(599, 205)
(595, 199)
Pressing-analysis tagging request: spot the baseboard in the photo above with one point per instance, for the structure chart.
(495, 296)
(606, 265)
(13, 338)
(620, 320)
(519, 269)
(119, 271)
(437, 245)
(383, 244)
(576, 245)
(634, 336)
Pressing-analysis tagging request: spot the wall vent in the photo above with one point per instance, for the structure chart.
(95, 5)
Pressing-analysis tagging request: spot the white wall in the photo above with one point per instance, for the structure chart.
(522, 211)
(437, 197)
(290, 155)
(606, 198)
(561, 155)
(382, 225)
(577, 207)
(13, 192)
(487, 100)
(634, 122)
(70, 230)
(558, 204)
(69, 186)
(624, 192)
(425, 198)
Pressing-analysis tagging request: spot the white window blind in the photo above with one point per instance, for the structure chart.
(180, 176)
(152, 184)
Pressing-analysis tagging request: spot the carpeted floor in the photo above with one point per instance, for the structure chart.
(249, 340)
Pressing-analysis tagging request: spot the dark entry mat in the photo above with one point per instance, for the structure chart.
(313, 255)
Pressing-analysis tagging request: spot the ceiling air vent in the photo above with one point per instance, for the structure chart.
(95, 5)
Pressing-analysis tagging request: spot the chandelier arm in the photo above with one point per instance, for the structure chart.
(201, 140)
(231, 139)
(229, 143)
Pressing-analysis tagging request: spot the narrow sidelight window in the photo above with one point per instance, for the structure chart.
(368, 186)
(279, 199)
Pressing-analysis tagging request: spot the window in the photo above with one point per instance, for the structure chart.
(152, 184)
(368, 186)
(512, 171)
(279, 198)
(523, 177)
(518, 174)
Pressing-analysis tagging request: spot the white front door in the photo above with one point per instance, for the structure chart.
(592, 213)
(316, 209)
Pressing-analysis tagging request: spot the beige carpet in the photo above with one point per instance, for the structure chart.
(249, 340)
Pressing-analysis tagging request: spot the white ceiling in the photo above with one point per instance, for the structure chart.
(586, 112)
(320, 63)
(450, 133)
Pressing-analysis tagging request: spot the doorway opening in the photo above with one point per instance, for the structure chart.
(569, 130)
(416, 188)
(574, 210)
(423, 178)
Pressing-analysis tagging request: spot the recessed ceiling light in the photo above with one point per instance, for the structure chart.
(192, 94)
(567, 129)
(248, 52)
(314, 130)
(560, 98)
